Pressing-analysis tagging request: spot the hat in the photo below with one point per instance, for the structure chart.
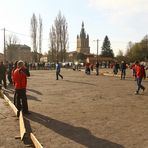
(20, 63)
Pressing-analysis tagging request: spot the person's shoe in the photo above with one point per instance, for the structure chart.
(18, 113)
(27, 113)
(136, 93)
(143, 89)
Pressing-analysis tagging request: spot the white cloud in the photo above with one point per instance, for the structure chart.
(116, 5)
(117, 9)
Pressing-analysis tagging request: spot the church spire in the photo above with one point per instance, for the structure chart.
(82, 24)
(83, 41)
(82, 33)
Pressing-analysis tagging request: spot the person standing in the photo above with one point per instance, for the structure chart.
(10, 67)
(58, 70)
(3, 71)
(123, 70)
(140, 74)
(97, 68)
(134, 71)
(115, 68)
(20, 83)
(12, 73)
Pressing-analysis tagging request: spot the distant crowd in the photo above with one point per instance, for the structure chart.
(7, 67)
(17, 74)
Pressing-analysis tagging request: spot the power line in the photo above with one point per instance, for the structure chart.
(17, 33)
(29, 36)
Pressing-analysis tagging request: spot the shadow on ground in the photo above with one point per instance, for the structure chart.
(34, 91)
(80, 82)
(78, 134)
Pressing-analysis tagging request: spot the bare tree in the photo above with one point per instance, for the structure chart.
(12, 39)
(61, 37)
(120, 53)
(40, 34)
(52, 51)
(11, 46)
(34, 36)
(65, 38)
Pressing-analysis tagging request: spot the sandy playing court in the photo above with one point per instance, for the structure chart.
(84, 111)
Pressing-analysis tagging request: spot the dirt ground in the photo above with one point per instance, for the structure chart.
(9, 127)
(81, 111)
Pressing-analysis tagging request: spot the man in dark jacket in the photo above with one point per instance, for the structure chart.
(3, 74)
(58, 70)
(123, 70)
(97, 68)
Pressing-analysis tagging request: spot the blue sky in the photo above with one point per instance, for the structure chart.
(121, 20)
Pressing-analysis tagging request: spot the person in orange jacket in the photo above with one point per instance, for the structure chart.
(20, 83)
(140, 74)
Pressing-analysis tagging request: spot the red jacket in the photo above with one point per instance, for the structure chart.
(20, 79)
(140, 71)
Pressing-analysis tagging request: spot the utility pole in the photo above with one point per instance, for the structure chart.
(4, 47)
(146, 57)
(97, 63)
(97, 48)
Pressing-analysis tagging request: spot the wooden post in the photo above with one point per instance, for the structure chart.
(22, 126)
(35, 141)
(11, 104)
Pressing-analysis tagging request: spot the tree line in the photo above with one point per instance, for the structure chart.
(58, 43)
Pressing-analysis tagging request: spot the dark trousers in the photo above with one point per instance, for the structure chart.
(123, 73)
(9, 77)
(97, 71)
(58, 74)
(139, 85)
(21, 100)
(4, 81)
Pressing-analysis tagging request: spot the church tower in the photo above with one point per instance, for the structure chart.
(83, 41)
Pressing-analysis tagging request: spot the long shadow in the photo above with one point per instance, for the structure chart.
(10, 97)
(35, 91)
(27, 140)
(78, 134)
(29, 97)
(79, 82)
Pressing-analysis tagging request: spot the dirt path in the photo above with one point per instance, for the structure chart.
(9, 127)
(87, 111)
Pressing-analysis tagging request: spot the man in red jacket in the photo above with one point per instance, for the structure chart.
(140, 74)
(20, 83)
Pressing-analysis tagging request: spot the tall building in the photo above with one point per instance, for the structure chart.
(83, 42)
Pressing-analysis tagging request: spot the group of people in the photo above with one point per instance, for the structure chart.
(20, 72)
(139, 72)
(90, 67)
(17, 75)
(122, 68)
